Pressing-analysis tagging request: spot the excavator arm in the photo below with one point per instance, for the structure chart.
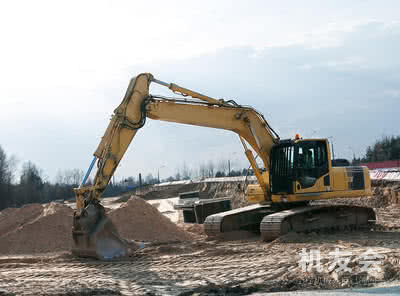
(138, 104)
(128, 118)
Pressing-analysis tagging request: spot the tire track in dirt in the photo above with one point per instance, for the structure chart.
(139, 275)
(214, 264)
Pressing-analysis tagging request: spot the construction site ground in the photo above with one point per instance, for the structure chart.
(236, 265)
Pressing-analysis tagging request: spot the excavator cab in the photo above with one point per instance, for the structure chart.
(298, 164)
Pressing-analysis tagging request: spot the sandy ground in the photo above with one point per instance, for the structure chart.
(205, 267)
(211, 267)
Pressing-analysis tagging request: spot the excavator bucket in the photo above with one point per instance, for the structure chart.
(94, 235)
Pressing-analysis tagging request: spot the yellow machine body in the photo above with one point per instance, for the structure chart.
(336, 182)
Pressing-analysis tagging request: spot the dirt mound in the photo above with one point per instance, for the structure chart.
(12, 218)
(48, 231)
(139, 220)
(39, 228)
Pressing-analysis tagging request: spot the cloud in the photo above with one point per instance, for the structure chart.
(65, 67)
(342, 95)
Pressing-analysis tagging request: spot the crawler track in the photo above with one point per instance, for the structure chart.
(246, 218)
(273, 222)
(314, 218)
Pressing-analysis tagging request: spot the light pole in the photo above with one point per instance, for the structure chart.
(158, 172)
(354, 153)
(229, 162)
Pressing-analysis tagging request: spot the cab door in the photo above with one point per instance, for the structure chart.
(282, 169)
(311, 166)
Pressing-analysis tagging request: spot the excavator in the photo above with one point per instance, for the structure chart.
(294, 172)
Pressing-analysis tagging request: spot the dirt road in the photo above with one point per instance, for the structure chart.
(199, 267)
(204, 267)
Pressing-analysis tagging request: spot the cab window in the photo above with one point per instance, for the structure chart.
(312, 162)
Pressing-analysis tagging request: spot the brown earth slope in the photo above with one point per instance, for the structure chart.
(49, 231)
(138, 220)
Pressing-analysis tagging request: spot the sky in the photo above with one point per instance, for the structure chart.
(318, 68)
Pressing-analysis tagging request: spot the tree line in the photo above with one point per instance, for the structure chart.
(32, 186)
(387, 148)
(205, 170)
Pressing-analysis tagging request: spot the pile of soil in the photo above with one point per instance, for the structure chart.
(138, 220)
(36, 229)
(12, 218)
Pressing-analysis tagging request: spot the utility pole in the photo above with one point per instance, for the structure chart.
(158, 172)
(229, 167)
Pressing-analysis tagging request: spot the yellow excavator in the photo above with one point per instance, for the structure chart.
(295, 172)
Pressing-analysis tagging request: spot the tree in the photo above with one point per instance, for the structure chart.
(387, 148)
(219, 174)
(203, 171)
(222, 166)
(5, 180)
(169, 179)
(186, 172)
(130, 181)
(246, 172)
(210, 168)
(234, 173)
(31, 184)
(150, 179)
(3, 167)
(69, 177)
